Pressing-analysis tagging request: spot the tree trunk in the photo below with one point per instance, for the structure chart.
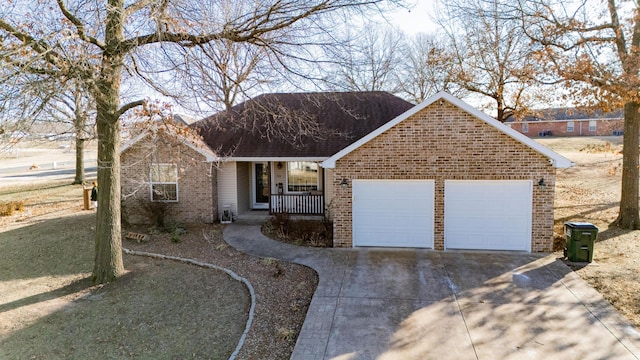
(79, 161)
(108, 264)
(629, 217)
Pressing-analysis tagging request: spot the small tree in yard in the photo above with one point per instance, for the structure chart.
(75, 106)
(120, 41)
(593, 47)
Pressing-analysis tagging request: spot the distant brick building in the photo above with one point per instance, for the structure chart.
(570, 122)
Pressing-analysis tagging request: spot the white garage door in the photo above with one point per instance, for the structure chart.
(393, 213)
(487, 215)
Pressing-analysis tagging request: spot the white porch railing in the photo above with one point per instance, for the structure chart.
(302, 204)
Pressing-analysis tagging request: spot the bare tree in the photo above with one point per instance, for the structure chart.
(492, 54)
(593, 47)
(23, 100)
(76, 107)
(426, 67)
(225, 72)
(122, 39)
(367, 61)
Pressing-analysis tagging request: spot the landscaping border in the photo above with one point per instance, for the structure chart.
(233, 275)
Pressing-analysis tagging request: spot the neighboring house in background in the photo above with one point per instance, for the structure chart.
(439, 175)
(570, 122)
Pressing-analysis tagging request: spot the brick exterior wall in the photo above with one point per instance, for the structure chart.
(443, 142)
(604, 127)
(197, 194)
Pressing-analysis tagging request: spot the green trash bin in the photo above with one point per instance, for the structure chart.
(580, 239)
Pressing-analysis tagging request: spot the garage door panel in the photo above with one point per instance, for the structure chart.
(488, 214)
(395, 213)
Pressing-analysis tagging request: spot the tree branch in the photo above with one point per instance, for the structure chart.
(79, 26)
(126, 107)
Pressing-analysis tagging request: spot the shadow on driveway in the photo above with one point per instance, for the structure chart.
(374, 303)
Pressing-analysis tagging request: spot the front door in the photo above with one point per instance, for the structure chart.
(261, 185)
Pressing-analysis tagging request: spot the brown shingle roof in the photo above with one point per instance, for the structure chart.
(298, 124)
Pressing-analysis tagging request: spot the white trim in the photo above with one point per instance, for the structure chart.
(254, 203)
(208, 154)
(134, 141)
(274, 159)
(286, 177)
(151, 183)
(556, 159)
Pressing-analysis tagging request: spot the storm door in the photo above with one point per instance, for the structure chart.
(260, 185)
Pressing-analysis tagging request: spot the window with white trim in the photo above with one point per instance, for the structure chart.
(302, 176)
(592, 125)
(570, 126)
(525, 127)
(164, 182)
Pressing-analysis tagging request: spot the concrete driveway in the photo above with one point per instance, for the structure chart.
(419, 304)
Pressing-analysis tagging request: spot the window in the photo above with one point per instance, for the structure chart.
(525, 127)
(164, 182)
(302, 176)
(570, 126)
(592, 125)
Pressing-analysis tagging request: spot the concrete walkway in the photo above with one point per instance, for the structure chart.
(379, 303)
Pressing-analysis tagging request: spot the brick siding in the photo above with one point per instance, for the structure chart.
(197, 194)
(443, 142)
(604, 127)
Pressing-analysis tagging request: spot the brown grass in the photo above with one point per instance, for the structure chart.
(11, 207)
(49, 309)
(590, 191)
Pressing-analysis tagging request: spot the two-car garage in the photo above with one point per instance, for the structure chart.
(444, 175)
(478, 214)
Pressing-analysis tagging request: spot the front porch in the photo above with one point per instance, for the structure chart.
(261, 216)
(291, 187)
(297, 204)
(249, 188)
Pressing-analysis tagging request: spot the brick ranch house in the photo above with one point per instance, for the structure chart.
(569, 122)
(440, 175)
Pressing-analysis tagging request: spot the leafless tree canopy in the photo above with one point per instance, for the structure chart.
(593, 47)
(110, 44)
(426, 67)
(365, 60)
(492, 55)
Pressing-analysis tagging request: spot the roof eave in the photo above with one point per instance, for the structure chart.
(208, 155)
(557, 160)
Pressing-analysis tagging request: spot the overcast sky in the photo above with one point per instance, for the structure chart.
(415, 20)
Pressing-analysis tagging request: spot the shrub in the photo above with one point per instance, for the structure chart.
(157, 213)
(10, 208)
(175, 236)
(312, 233)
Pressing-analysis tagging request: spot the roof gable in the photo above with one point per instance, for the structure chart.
(298, 125)
(195, 144)
(556, 159)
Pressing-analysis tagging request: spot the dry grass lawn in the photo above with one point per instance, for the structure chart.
(49, 309)
(159, 309)
(590, 191)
